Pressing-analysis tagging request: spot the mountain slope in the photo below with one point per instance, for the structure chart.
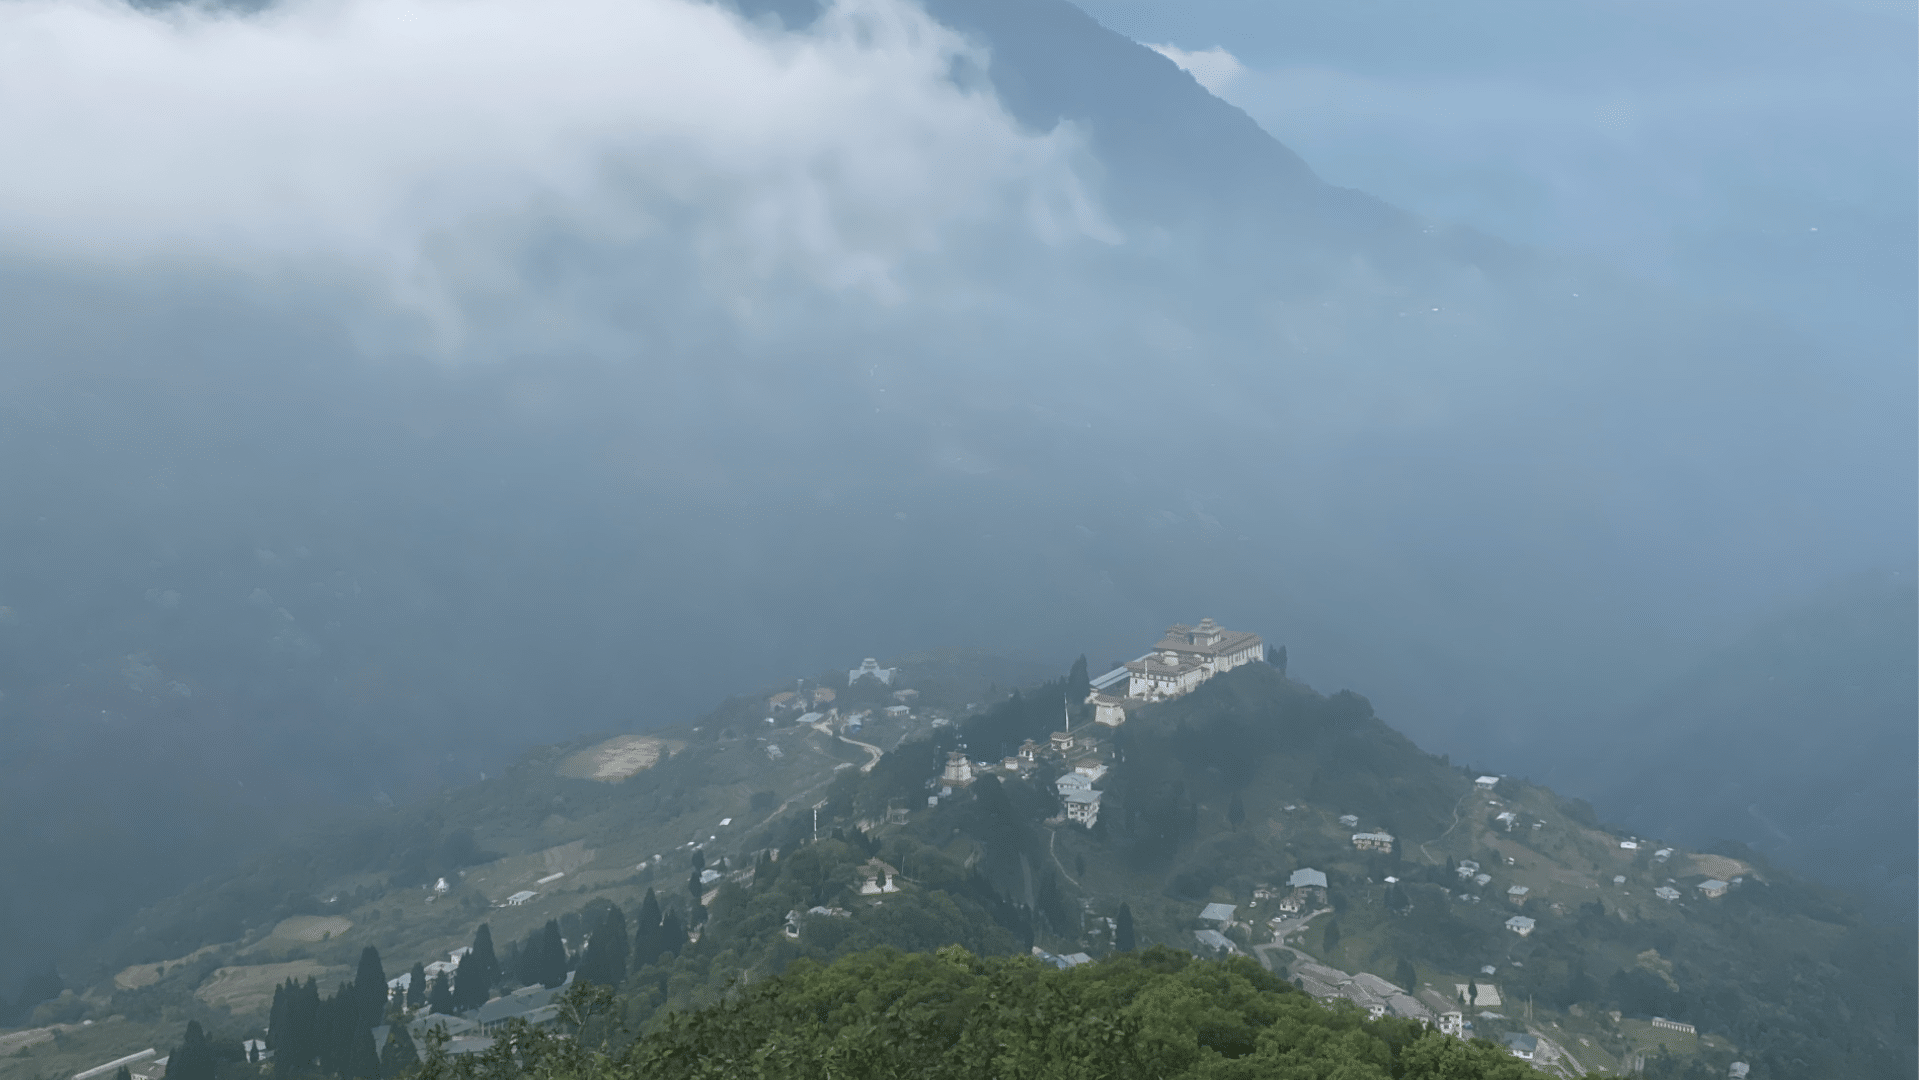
(1216, 797)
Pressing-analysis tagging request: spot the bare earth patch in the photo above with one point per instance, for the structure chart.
(139, 975)
(1719, 866)
(311, 927)
(617, 758)
(244, 990)
(566, 858)
(14, 1042)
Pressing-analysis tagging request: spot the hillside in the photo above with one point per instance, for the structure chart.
(1213, 798)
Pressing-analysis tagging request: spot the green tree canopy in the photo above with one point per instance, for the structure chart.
(952, 1015)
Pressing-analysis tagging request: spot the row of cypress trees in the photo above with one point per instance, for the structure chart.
(331, 1035)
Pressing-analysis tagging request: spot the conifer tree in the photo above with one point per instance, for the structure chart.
(339, 1018)
(440, 998)
(1407, 976)
(673, 934)
(295, 1030)
(1123, 930)
(399, 1054)
(646, 932)
(550, 964)
(277, 1015)
(1079, 684)
(362, 1061)
(123, 1073)
(417, 986)
(370, 987)
(468, 993)
(483, 955)
(605, 958)
(193, 1058)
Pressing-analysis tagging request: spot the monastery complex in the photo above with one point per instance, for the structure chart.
(1185, 657)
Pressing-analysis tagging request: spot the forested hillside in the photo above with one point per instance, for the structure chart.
(950, 1015)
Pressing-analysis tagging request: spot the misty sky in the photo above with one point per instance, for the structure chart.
(388, 385)
(1758, 153)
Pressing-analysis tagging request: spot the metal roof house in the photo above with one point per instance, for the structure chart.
(1217, 913)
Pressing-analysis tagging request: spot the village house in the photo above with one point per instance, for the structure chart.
(1667, 893)
(1216, 941)
(1185, 657)
(1487, 783)
(1062, 741)
(1072, 781)
(1307, 878)
(1077, 795)
(783, 700)
(898, 712)
(870, 668)
(1466, 868)
(1350, 821)
(1029, 751)
(1712, 888)
(533, 1005)
(1522, 1046)
(1083, 807)
(1521, 925)
(1373, 841)
(1517, 895)
(1217, 913)
(1309, 890)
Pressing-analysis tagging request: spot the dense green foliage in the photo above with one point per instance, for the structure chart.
(950, 1015)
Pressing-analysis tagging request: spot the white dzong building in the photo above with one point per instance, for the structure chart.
(1187, 656)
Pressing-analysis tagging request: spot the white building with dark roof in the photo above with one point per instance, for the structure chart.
(1083, 807)
(1187, 656)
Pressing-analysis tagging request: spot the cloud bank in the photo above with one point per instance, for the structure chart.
(423, 148)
